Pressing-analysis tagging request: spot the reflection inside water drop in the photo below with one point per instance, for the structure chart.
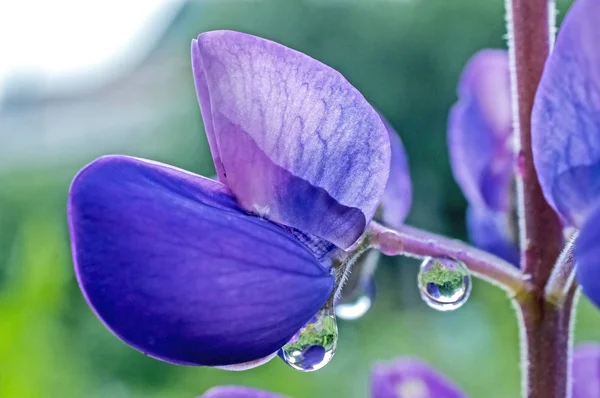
(314, 345)
(354, 304)
(444, 283)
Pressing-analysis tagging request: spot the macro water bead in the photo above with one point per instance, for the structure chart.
(314, 345)
(444, 283)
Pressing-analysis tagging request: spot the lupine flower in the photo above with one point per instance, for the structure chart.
(198, 272)
(566, 135)
(481, 155)
(401, 378)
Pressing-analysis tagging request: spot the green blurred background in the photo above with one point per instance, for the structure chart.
(404, 56)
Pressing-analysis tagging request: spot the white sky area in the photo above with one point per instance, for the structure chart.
(66, 45)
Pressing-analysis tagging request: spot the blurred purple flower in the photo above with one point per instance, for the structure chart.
(493, 231)
(238, 392)
(176, 265)
(586, 371)
(410, 378)
(566, 135)
(481, 155)
(397, 196)
(401, 378)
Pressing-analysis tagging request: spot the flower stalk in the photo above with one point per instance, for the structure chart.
(545, 332)
(413, 242)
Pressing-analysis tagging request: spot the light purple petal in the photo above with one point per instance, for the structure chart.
(172, 266)
(492, 231)
(238, 392)
(397, 196)
(480, 130)
(586, 371)
(566, 116)
(291, 138)
(587, 252)
(410, 377)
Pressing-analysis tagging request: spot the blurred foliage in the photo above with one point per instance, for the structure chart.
(405, 57)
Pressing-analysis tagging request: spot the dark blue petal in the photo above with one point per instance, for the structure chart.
(492, 231)
(587, 254)
(172, 266)
(238, 392)
(566, 116)
(291, 138)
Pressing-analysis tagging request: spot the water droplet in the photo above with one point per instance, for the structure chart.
(444, 283)
(313, 346)
(354, 304)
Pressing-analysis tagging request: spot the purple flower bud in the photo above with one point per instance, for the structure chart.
(238, 392)
(566, 117)
(291, 138)
(480, 130)
(407, 378)
(397, 196)
(586, 371)
(172, 266)
(481, 155)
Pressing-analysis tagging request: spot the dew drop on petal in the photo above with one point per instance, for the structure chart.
(314, 345)
(444, 283)
(357, 302)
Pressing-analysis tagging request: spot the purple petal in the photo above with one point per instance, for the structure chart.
(586, 371)
(492, 231)
(587, 254)
(173, 267)
(409, 377)
(397, 196)
(240, 367)
(479, 131)
(238, 392)
(566, 116)
(290, 137)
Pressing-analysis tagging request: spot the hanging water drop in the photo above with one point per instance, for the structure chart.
(313, 346)
(354, 304)
(444, 283)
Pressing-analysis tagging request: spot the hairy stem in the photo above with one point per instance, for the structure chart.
(562, 278)
(546, 340)
(544, 313)
(529, 39)
(410, 241)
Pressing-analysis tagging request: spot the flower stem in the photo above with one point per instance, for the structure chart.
(530, 29)
(410, 241)
(546, 341)
(544, 321)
